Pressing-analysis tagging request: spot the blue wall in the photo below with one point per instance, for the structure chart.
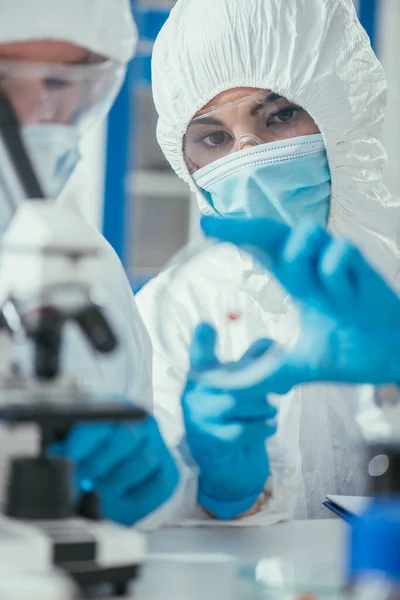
(118, 144)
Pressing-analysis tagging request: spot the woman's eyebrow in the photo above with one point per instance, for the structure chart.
(269, 99)
(205, 121)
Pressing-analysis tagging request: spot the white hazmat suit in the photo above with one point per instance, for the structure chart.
(106, 28)
(316, 54)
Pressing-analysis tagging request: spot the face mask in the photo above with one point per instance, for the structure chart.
(284, 181)
(54, 151)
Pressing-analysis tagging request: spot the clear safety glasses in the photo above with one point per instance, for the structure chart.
(252, 119)
(75, 95)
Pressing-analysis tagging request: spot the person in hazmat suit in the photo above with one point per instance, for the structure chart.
(62, 63)
(274, 110)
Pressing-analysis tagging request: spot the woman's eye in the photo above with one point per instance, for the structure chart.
(216, 139)
(285, 115)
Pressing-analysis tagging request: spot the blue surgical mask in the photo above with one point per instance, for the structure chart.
(284, 181)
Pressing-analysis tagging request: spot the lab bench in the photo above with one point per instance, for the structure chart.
(203, 563)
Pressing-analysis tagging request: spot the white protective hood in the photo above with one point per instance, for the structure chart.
(316, 54)
(105, 27)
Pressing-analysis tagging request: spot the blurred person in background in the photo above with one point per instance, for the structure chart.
(62, 63)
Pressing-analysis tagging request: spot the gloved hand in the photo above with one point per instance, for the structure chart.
(226, 432)
(350, 317)
(128, 465)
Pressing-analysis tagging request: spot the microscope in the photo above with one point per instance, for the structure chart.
(48, 273)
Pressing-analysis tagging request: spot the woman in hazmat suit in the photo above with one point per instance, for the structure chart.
(267, 109)
(62, 63)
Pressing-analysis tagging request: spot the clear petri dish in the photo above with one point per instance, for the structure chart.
(278, 579)
(185, 290)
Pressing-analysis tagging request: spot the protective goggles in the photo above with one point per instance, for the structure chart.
(256, 118)
(75, 95)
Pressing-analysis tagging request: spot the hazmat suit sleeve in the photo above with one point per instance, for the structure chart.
(126, 372)
(130, 371)
(169, 379)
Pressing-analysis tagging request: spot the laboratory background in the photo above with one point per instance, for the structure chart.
(112, 450)
(127, 188)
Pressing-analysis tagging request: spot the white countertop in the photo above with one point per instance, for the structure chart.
(201, 563)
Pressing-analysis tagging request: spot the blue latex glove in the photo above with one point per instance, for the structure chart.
(128, 465)
(226, 433)
(350, 316)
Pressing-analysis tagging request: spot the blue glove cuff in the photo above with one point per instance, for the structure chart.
(226, 510)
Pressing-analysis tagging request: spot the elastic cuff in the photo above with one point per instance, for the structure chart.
(226, 510)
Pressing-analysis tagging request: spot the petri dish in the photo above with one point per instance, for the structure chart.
(185, 291)
(278, 579)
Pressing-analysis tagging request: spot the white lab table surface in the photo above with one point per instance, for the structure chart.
(199, 563)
